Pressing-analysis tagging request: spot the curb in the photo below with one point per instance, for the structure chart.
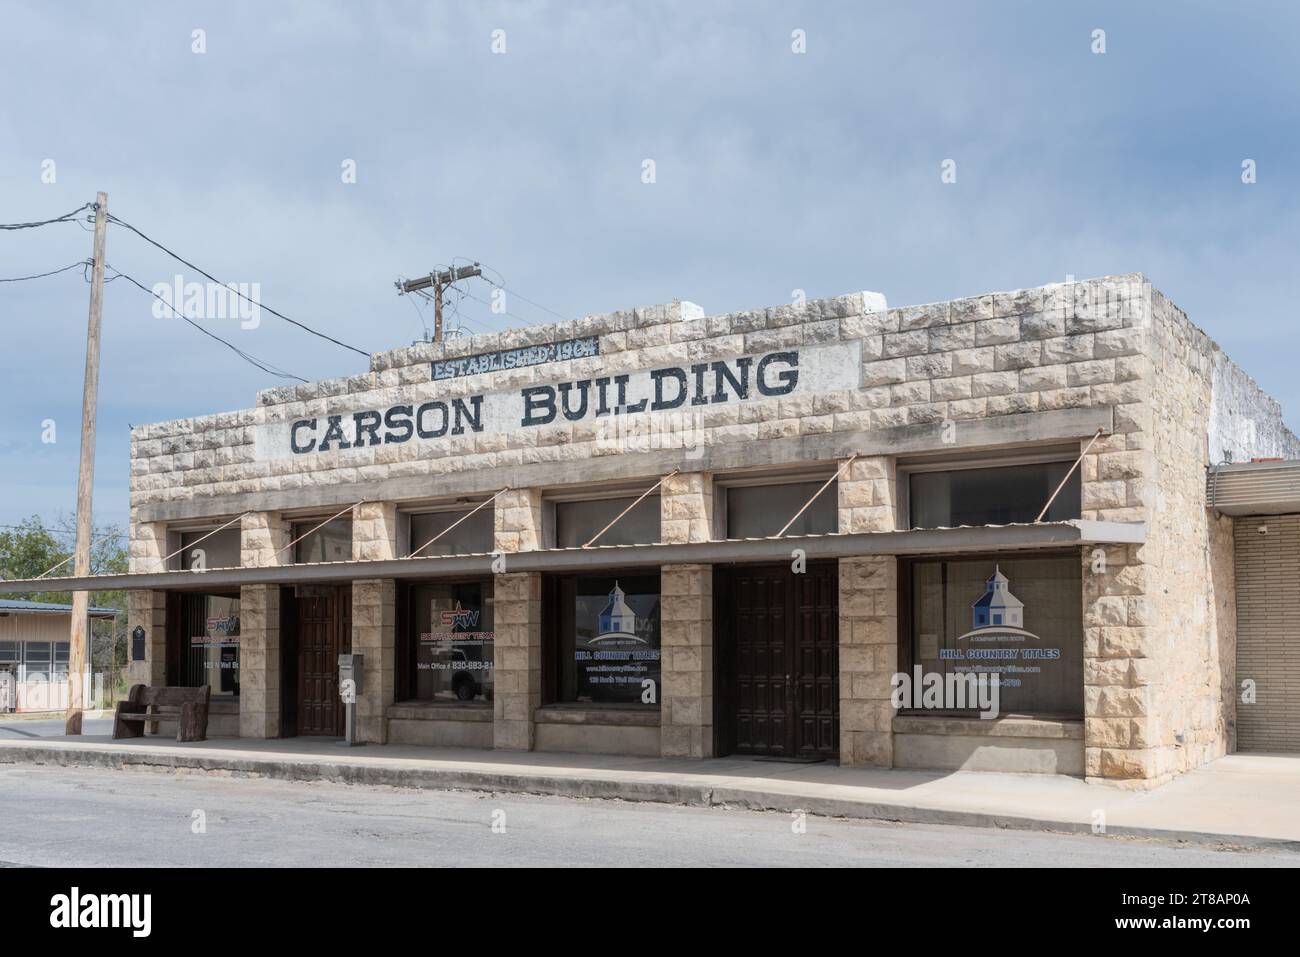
(568, 786)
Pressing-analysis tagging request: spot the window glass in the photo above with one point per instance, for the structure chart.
(473, 536)
(209, 652)
(1020, 618)
(576, 523)
(759, 511)
(1000, 495)
(330, 543)
(453, 641)
(218, 550)
(9, 651)
(609, 640)
(36, 659)
(60, 667)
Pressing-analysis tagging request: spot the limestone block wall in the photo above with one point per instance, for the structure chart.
(148, 610)
(686, 701)
(374, 631)
(686, 502)
(374, 531)
(868, 617)
(518, 655)
(259, 661)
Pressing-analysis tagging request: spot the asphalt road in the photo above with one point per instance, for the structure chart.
(95, 817)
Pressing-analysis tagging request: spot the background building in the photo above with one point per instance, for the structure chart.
(34, 654)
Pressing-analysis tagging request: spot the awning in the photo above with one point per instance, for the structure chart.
(1255, 488)
(929, 541)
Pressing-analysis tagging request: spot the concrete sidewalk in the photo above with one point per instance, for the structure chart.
(1239, 799)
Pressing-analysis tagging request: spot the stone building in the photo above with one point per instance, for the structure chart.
(794, 505)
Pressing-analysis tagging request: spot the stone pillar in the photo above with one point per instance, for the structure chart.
(148, 609)
(263, 536)
(374, 618)
(686, 684)
(518, 520)
(374, 634)
(868, 617)
(259, 661)
(518, 660)
(1120, 726)
(867, 496)
(686, 507)
(374, 532)
(868, 659)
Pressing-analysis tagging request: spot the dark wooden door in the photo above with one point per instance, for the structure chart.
(778, 658)
(324, 623)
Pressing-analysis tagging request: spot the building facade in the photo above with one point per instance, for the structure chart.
(34, 642)
(657, 532)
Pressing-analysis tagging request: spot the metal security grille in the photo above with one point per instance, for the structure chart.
(1268, 632)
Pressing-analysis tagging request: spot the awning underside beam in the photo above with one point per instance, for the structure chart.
(936, 541)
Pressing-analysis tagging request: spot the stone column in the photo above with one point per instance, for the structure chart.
(263, 536)
(147, 609)
(686, 506)
(868, 618)
(868, 659)
(374, 618)
(517, 654)
(517, 660)
(686, 702)
(1120, 729)
(374, 634)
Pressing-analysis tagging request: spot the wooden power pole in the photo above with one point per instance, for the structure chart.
(439, 281)
(77, 657)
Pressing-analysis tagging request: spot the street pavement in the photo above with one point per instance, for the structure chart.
(97, 817)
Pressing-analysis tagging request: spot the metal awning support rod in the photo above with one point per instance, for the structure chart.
(1067, 476)
(71, 557)
(808, 504)
(320, 526)
(219, 528)
(481, 504)
(640, 498)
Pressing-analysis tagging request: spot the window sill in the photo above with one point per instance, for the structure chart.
(440, 711)
(629, 716)
(1013, 726)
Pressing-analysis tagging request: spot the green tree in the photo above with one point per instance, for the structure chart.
(33, 547)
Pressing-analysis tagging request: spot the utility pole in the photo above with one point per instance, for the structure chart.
(77, 657)
(439, 281)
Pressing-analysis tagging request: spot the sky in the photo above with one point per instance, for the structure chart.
(516, 135)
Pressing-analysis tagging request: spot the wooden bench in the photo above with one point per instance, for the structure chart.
(142, 704)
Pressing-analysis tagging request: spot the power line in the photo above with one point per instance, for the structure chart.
(253, 360)
(66, 217)
(52, 272)
(502, 285)
(235, 290)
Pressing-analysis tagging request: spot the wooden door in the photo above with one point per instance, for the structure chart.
(778, 658)
(324, 625)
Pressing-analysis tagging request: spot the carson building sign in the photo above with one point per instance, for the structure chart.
(770, 375)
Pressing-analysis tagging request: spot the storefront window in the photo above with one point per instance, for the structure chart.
(59, 672)
(760, 511)
(453, 642)
(217, 550)
(1001, 495)
(473, 536)
(1020, 618)
(331, 542)
(209, 643)
(608, 649)
(577, 523)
